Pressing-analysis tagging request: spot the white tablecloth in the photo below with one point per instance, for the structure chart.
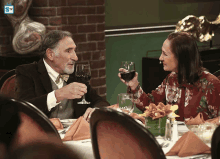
(84, 147)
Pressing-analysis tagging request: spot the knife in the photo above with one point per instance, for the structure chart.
(199, 157)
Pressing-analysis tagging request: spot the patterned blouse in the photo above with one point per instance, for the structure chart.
(203, 96)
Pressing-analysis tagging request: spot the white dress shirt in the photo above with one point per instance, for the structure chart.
(51, 99)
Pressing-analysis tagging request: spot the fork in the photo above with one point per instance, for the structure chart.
(63, 132)
(166, 145)
(162, 144)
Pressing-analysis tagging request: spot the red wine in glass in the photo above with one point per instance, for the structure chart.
(128, 71)
(83, 78)
(127, 76)
(83, 75)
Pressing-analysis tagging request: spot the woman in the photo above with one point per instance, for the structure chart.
(188, 85)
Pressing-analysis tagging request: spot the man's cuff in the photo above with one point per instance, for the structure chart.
(51, 100)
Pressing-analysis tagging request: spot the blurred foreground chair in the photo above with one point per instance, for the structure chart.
(7, 84)
(9, 123)
(42, 150)
(217, 74)
(215, 144)
(116, 135)
(35, 126)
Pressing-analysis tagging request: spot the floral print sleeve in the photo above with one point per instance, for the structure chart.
(157, 95)
(210, 97)
(202, 96)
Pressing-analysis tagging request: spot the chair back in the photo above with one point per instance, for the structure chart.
(217, 74)
(215, 144)
(116, 135)
(7, 84)
(35, 126)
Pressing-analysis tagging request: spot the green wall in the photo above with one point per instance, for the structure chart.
(124, 13)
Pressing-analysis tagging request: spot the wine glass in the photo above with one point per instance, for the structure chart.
(83, 75)
(127, 70)
(125, 103)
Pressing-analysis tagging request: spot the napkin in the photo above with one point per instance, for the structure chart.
(56, 122)
(133, 115)
(189, 144)
(79, 130)
(195, 121)
(213, 121)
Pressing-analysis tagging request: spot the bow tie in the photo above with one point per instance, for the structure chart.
(65, 77)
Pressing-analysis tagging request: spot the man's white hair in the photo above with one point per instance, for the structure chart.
(56, 51)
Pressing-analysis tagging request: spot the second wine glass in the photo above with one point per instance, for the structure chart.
(83, 75)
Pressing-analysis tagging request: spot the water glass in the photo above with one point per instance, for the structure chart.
(205, 131)
(125, 102)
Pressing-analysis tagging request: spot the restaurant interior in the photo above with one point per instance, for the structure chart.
(107, 32)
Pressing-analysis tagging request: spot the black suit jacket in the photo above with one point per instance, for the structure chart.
(33, 84)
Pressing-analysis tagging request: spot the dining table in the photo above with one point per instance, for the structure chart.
(85, 150)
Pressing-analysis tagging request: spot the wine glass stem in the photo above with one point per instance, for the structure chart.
(83, 98)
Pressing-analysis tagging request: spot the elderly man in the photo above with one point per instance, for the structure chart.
(40, 83)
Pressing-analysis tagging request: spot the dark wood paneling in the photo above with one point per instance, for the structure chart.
(152, 74)
(211, 59)
(11, 62)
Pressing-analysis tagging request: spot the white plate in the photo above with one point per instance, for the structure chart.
(180, 123)
(67, 121)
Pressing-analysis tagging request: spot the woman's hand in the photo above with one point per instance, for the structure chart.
(132, 83)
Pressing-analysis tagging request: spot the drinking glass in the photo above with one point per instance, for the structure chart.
(125, 103)
(83, 75)
(128, 71)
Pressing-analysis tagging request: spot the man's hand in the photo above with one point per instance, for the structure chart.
(71, 91)
(88, 114)
(132, 83)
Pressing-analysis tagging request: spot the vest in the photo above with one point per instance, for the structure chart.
(64, 110)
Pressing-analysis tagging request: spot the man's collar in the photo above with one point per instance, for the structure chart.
(52, 73)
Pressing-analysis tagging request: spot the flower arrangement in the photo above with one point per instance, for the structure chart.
(160, 111)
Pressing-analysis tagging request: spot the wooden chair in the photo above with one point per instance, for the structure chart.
(35, 126)
(217, 74)
(7, 84)
(116, 135)
(215, 144)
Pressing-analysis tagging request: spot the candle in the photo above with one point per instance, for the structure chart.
(174, 137)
